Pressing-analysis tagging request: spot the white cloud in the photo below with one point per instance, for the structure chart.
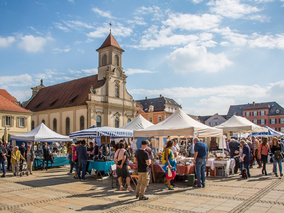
(156, 11)
(263, 1)
(192, 22)
(232, 8)
(81, 51)
(106, 14)
(193, 58)
(21, 95)
(232, 36)
(117, 30)
(91, 71)
(72, 1)
(131, 71)
(58, 50)
(5, 42)
(77, 25)
(267, 41)
(59, 26)
(137, 20)
(196, 1)
(33, 44)
(15, 80)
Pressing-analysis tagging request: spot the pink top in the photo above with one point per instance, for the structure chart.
(263, 150)
(74, 153)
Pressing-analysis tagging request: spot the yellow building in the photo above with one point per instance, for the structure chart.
(16, 118)
(100, 100)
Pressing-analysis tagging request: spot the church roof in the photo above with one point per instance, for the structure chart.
(67, 94)
(9, 103)
(110, 41)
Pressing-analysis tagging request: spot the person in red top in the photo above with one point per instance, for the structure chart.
(264, 149)
(75, 158)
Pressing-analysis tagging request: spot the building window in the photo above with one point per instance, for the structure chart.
(262, 112)
(67, 126)
(116, 91)
(272, 121)
(281, 120)
(104, 62)
(43, 121)
(82, 122)
(33, 125)
(254, 121)
(262, 121)
(281, 129)
(7, 120)
(116, 122)
(128, 120)
(159, 119)
(54, 125)
(99, 121)
(21, 122)
(151, 120)
(255, 113)
(247, 114)
(116, 60)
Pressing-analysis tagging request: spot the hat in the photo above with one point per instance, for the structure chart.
(144, 143)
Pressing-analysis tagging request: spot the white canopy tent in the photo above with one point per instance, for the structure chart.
(138, 123)
(240, 124)
(179, 124)
(41, 133)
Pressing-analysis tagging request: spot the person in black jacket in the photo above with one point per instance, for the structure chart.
(234, 151)
(23, 150)
(9, 157)
(46, 156)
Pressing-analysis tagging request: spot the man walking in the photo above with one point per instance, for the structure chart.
(143, 160)
(46, 156)
(23, 150)
(234, 147)
(82, 160)
(3, 153)
(200, 159)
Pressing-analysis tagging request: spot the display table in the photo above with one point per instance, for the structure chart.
(180, 169)
(57, 161)
(212, 163)
(104, 166)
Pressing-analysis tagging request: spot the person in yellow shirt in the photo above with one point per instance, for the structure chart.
(15, 159)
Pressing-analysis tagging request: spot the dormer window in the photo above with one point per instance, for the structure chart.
(104, 61)
(277, 111)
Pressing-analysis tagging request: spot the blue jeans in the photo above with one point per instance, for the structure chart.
(82, 167)
(2, 163)
(200, 171)
(246, 166)
(275, 165)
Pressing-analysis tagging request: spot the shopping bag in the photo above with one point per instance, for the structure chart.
(169, 172)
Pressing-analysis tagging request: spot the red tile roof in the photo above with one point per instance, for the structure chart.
(8, 96)
(67, 94)
(110, 41)
(9, 103)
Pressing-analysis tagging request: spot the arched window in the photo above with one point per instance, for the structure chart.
(128, 120)
(116, 122)
(116, 60)
(67, 126)
(82, 122)
(116, 91)
(104, 62)
(33, 125)
(43, 121)
(54, 125)
(99, 121)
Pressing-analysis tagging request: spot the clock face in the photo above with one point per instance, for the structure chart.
(277, 111)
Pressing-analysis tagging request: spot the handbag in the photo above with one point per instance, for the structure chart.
(169, 172)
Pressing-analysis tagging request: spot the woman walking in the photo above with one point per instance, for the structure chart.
(121, 159)
(16, 156)
(275, 148)
(75, 159)
(170, 164)
(263, 150)
(70, 157)
(29, 159)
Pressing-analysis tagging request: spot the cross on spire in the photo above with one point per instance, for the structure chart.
(110, 27)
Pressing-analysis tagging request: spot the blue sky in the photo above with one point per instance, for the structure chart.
(205, 54)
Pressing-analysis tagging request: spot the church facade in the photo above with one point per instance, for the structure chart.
(100, 100)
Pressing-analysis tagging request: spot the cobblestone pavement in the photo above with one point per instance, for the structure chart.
(55, 191)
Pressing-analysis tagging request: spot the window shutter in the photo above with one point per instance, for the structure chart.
(275, 120)
(17, 122)
(25, 122)
(265, 121)
(12, 121)
(3, 120)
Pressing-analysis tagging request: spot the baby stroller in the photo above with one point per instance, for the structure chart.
(24, 169)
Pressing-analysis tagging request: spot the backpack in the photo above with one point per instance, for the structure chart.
(164, 156)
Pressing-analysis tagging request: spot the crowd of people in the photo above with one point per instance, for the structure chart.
(260, 150)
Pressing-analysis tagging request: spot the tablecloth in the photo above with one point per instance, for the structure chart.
(180, 169)
(227, 164)
(100, 165)
(57, 161)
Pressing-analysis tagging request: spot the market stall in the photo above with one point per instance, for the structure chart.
(42, 134)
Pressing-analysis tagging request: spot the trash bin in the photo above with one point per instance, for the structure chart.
(191, 180)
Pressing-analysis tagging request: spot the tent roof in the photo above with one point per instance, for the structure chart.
(94, 132)
(271, 132)
(138, 123)
(41, 133)
(179, 124)
(240, 124)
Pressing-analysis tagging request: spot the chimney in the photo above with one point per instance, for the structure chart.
(146, 98)
(253, 103)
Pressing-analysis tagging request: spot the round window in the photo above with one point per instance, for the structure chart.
(277, 111)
